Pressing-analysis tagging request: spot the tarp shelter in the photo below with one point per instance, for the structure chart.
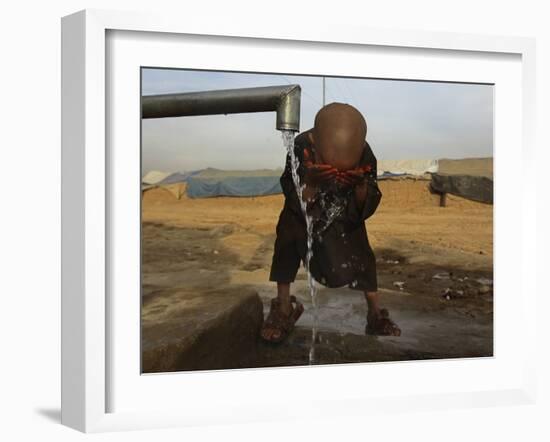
(214, 182)
(469, 178)
(154, 177)
(406, 167)
(178, 177)
(172, 183)
(176, 189)
(477, 188)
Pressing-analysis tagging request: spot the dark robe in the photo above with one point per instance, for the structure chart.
(342, 254)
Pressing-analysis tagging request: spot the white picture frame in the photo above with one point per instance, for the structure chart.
(86, 317)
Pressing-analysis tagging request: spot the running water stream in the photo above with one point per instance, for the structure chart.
(288, 141)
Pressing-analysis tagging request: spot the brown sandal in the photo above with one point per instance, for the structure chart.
(276, 320)
(382, 325)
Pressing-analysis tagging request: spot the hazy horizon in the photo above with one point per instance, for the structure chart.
(406, 120)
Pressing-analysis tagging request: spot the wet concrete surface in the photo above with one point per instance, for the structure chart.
(435, 331)
(443, 312)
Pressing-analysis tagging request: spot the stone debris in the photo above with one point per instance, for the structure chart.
(399, 284)
(484, 290)
(442, 276)
(467, 289)
(450, 293)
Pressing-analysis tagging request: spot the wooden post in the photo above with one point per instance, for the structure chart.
(443, 199)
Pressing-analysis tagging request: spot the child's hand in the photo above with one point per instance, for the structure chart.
(315, 173)
(354, 177)
(319, 173)
(350, 178)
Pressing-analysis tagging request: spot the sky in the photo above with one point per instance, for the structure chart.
(405, 119)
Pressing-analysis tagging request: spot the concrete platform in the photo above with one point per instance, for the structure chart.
(191, 330)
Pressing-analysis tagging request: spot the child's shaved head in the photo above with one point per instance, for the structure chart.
(339, 135)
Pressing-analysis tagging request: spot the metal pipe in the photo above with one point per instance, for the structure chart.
(285, 100)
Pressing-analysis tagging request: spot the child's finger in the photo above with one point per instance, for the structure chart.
(355, 176)
(331, 173)
(342, 178)
(348, 182)
(328, 178)
(323, 167)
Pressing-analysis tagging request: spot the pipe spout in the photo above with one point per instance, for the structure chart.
(285, 100)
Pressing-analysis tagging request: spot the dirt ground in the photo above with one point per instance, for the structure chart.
(434, 265)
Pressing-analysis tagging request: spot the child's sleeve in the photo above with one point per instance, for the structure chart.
(358, 214)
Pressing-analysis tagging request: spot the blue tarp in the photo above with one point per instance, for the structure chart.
(178, 177)
(198, 187)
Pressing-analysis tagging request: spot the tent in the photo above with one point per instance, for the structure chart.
(215, 182)
(406, 167)
(470, 178)
(154, 177)
(173, 183)
(180, 177)
(477, 188)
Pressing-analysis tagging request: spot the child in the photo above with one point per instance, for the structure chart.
(338, 169)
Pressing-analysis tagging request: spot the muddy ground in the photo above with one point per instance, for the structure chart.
(434, 270)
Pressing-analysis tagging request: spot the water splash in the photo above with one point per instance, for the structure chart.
(288, 141)
(332, 205)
